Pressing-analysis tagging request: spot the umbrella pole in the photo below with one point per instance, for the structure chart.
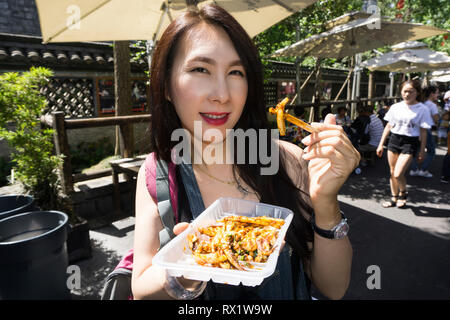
(391, 84)
(298, 62)
(356, 84)
(316, 97)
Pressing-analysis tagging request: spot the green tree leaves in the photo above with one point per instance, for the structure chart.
(21, 106)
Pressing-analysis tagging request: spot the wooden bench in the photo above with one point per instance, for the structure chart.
(130, 168)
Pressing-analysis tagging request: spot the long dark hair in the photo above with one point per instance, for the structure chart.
(428, 91)
(276, 189)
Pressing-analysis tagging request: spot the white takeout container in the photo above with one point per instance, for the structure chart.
(176, 256)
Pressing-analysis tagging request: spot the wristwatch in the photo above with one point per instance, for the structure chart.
(337, 232)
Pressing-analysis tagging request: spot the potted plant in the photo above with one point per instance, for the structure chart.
(35, 165)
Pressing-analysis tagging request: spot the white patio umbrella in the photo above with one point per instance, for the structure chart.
(409, 45)
(443, 78)
(407, 57)
(440, 75)
(409, 60)
(108, 20)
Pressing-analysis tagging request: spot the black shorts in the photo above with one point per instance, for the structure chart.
(403, 144)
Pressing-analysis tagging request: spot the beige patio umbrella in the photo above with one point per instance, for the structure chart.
(355, 33)
(409, 60)
(107, 20)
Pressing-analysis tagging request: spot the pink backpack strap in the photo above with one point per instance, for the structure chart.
(150, 179)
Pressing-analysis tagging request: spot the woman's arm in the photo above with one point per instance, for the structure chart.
(423, 144)
(386, 131)
(331, 259)
(148, 281)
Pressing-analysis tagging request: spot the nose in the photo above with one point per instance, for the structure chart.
(220, 92)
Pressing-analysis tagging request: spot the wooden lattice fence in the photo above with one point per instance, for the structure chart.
(74, 97)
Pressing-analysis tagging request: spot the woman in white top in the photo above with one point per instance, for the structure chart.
(431, 94)
(407, 121)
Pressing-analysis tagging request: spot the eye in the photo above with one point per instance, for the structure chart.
(237, 73)
(199, 69)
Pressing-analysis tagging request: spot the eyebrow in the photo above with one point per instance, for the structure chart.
(207, 60)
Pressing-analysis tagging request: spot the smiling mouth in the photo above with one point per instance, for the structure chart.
(214, 115)
(215, 118)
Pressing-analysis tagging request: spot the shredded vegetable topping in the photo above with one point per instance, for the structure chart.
(235, 242)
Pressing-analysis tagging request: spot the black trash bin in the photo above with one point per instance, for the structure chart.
(33, 256)
(15, 204)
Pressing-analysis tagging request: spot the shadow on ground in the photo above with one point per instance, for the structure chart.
(373, 184)
(413, 264)
(94, 272)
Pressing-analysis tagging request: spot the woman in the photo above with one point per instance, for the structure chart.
(431, 94)
(206, 70)
(341, 117)
(408, 121)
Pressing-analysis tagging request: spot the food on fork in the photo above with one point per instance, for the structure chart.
(282, 117)
(235, 242)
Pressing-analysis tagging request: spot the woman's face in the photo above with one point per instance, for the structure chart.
(434, 96)
(409, 94)
(208, 81)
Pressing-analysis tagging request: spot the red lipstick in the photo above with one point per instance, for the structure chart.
(215, 118)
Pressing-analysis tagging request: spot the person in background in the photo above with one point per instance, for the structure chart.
(445, 172)
(341, 117)
(359, 129)
(375, 133)
(407, 120)
(447, 101)
(382, 112)
(431, 94)
(443, 128)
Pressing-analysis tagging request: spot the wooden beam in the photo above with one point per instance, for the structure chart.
(62, 148)
(122, 88)
(103, 122)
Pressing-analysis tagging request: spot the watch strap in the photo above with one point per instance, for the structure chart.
(329, 234)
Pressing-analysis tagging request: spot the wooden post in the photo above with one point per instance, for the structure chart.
(371, 87)
(62, 148)
(298, 62)
(317, 90)
(122, 88)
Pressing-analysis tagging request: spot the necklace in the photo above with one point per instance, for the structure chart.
(245, 192)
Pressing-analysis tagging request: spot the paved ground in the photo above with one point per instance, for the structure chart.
(408, 248)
